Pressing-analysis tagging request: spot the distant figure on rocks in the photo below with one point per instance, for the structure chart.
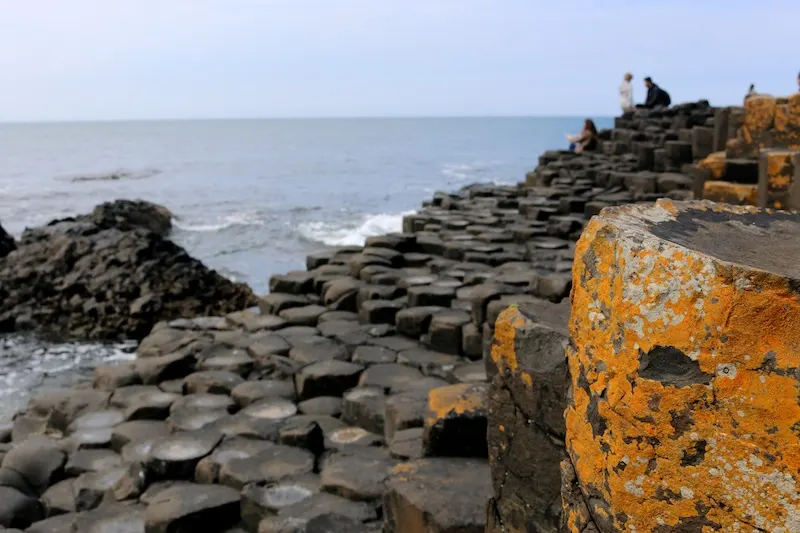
(798, 82)
(626, 93)
(585, 141)
(751, 91)
(656, 96)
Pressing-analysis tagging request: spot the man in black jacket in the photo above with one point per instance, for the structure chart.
(656, 96)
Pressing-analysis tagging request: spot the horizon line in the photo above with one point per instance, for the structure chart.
(287, 118)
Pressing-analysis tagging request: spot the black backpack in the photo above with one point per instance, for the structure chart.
(666, 98)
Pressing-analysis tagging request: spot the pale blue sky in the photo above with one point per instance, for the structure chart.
(141, 59)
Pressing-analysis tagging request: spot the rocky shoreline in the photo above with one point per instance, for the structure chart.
(354, 397)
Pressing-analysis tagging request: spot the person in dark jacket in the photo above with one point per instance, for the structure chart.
(656, 96)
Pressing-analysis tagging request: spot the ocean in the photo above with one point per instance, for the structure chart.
(250, 197)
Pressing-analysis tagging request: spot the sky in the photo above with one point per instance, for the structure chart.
(173, 59)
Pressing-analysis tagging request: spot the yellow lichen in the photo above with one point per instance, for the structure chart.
(726, 451)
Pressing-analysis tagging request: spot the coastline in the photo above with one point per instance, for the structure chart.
(368, 370)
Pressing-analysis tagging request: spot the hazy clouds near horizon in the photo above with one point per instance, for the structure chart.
(140, 59)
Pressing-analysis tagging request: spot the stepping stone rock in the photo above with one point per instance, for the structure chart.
(271, 465)
(373, 355)
(18, 510)
(389, 377)
(190, 507)
(442, 495)
(202, 400)
(212, 382)
(307, 315)
(136, 431)
(261, 500)
(83, 461)
(176, 456)
(429, 362)
(207, 470)
(251, 391)
(270, 409)
(414, 321)
(327, 378)
(379, 312)
(456, 422)
(357, 474)
(445, 331)
(365, 407)
(321, 405)
(347, 437)
(236, 361)
(406, 444)
(39, 460)
(192, 419)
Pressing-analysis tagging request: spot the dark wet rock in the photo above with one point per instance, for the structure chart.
(274, 303)
(445, 331)
(322, 503)
(405, 410)
(307, 315)
(249, 427)
(131, 483)
(208, 468)
(345, 438)
(456, 421)
(136, 431)
(150, 405)
(406, 444)
(295, 282)
(315, 352)
(270, 409)
(303, 433)
(356, 474)
(212, 382)
(111, 377)
(176, 456)
(236, 361)
(90, 488)
(271, 465)
(111, 518)
(191, 507)
(7, 243)
(83, 461)
(414, 321)
(338, 316)
(192, 419)
(443, 495)
(18, 510)
(389, 376)
(104, 276)
(62, 406)
(154, 370)
(327, 378)
(203, 400)
(251, 391)
(365, 407)
(429, 362)
(379, 312)
(430, 295)
(321, 405)
(373, 355)
(261, 500)
(39, 460)
(254, 321)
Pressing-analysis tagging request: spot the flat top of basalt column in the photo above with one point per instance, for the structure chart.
(756, 238)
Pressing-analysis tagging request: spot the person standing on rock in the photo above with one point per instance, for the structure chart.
(626, 93)
(656, 96)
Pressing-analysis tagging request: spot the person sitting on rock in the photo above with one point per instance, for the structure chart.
(586, 141)
(656, 96)
(626, 93)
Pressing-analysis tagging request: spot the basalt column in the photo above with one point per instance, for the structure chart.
(684, 358)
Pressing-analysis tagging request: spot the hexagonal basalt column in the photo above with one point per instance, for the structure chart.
(684, 355)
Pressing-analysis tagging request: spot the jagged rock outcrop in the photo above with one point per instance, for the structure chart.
(110, 274)
(7, 244)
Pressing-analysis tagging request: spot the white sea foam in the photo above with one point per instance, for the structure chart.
(353, 232)
(28, 364)
(238, 218)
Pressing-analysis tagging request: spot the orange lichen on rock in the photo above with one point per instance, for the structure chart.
(456, 421)
(730, 193)
(715, 164)
(684, 357)
(505, 330)
(776, 174)
(759, 114)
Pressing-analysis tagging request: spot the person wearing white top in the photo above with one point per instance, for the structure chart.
(626, 93)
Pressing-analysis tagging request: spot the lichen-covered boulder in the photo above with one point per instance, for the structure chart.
(683, 357)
